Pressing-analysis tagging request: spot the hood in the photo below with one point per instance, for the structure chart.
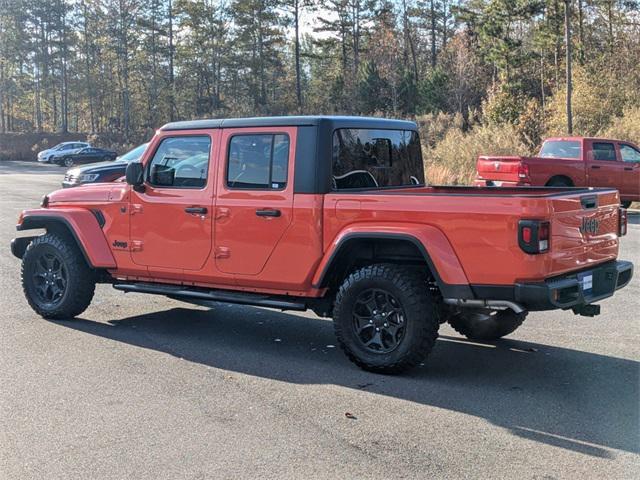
(98, 167)
(92, 192)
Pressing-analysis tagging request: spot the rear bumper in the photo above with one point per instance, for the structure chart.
(568, 291)
(481, 182)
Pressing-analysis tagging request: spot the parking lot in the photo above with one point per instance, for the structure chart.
(146, 387)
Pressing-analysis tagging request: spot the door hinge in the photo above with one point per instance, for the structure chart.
(222, 252)
(136, 245)
(135, 208)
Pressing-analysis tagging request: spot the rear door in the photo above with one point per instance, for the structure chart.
(254, 205)
(603, 166)
(630, 187)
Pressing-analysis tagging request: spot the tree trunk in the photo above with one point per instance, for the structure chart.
(172, 92)
(581, 32)
(296, 7)
(433, 34)
(567, 36)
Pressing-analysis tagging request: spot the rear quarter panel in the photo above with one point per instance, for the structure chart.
(481, 230)
(543, 169)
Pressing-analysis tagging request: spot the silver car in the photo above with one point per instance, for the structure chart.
(64, 148)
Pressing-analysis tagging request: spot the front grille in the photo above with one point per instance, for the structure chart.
(70, 178)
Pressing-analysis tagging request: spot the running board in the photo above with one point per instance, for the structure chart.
(199, 295)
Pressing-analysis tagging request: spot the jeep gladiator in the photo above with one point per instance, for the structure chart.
(569, 162)
(330, 214)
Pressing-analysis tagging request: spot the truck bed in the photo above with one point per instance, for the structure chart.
(481, 223)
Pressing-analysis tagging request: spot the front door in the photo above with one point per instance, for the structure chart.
(171, 220)
(603, 167)
(630, 188)
(254, 204)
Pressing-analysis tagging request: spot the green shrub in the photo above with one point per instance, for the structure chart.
(453, 160)
(625, 127)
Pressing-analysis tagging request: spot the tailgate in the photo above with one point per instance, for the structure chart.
(499, 168)
(584, 230)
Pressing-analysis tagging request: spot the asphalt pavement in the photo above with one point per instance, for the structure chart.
(144, 387)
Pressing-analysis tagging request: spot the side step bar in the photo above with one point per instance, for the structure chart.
(199, 295)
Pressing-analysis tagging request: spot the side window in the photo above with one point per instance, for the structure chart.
(180, 162)
(629, 154)
(604, 151)
(258, 161)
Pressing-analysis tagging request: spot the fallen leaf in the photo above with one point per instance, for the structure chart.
(350, 416)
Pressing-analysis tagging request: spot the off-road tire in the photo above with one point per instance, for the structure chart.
(80, 278)
(421, 317)
(497, 325)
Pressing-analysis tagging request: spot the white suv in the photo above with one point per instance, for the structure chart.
(61, 149)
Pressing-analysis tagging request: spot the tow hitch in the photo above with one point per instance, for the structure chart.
(587, 310)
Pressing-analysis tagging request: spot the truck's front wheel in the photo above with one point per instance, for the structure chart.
(56, 279)
(385, 318)
(486, 324)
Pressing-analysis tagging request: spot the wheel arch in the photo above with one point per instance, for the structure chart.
(564, 178)
(408, 247)
(80, 224)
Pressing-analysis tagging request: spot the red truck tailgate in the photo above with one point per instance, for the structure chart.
(506, 169)
(584, 229)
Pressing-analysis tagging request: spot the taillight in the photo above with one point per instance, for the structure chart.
(533, 236)
(622, 222)
(523, 170)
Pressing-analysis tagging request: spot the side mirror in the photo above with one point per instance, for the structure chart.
(134, 174)
(162, 176)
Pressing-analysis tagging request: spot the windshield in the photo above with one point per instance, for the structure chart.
(560, 149)
(367, 158)
(134, 154)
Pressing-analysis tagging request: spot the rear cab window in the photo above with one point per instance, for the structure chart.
(604, 151)
(376, 159)
(561, 149)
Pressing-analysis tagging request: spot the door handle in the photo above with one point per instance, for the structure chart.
(198, 210)
(628, 168)
(268, 213)
(595, 166)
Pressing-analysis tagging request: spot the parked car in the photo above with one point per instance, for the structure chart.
(65, 148)
(102, 171)
(251, 211)
(85, 155)
(569, 162)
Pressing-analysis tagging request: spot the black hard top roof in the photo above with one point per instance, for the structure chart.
(293, 121)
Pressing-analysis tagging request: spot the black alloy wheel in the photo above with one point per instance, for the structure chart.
(378, 320)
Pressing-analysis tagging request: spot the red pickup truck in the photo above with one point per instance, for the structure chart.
(568, 162)
(330, 214)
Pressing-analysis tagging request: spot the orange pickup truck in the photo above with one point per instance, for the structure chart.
(330, 214)
(568, 162)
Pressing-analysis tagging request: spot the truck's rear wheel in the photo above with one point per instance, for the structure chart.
(485, 324)
(385, 318)
(56, 279)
